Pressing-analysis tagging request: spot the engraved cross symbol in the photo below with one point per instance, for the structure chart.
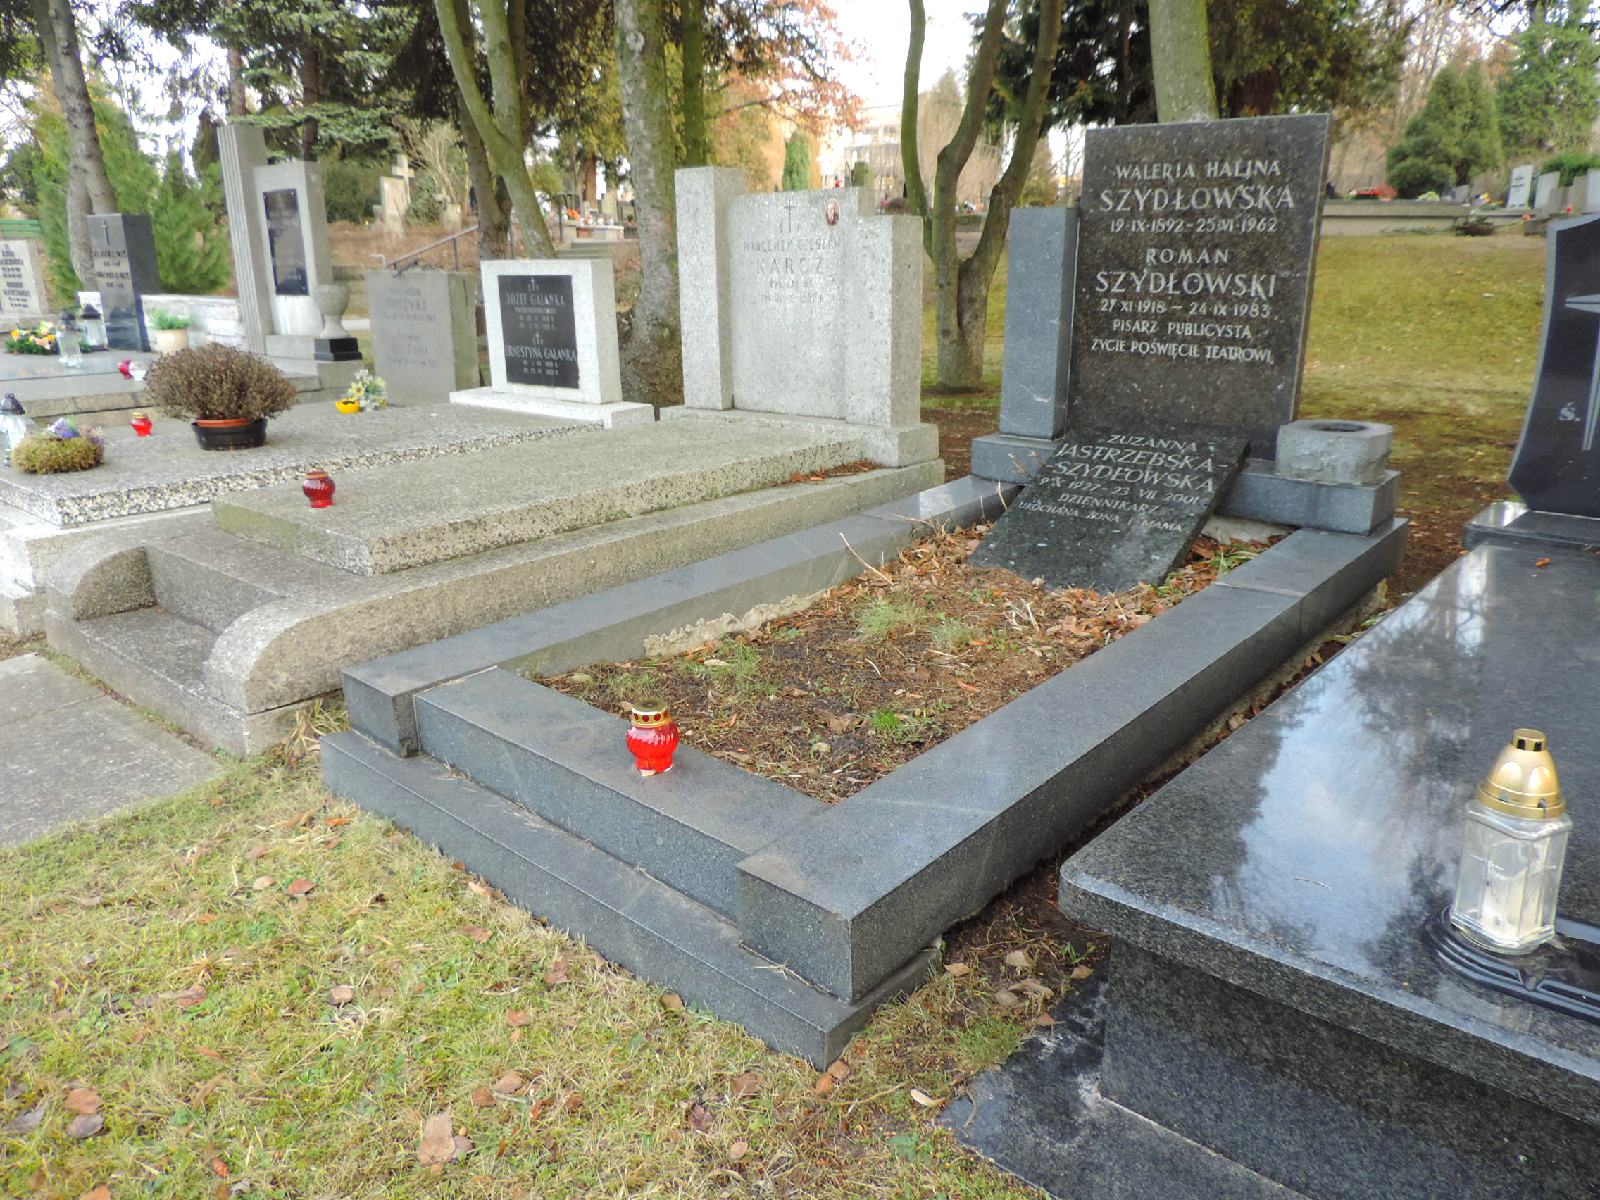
(1590, 304)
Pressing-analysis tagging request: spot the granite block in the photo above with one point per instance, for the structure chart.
(703, 196)
(1260, 494)
(953, 505)
(882, 314)
(424, 332)
(1510, 523)
(1322, 451)
(1327, 571)
(846, 897)
(1007, 458)
(621, 415)
(552, 329)
(1041, 262)
(568, 762)
(514, 495)
(1331, 1114)
(627, 916)
(1300, 858)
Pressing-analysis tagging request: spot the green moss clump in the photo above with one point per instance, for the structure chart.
(41, 454)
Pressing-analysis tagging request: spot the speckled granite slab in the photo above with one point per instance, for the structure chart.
(400, 517)
(168, 470)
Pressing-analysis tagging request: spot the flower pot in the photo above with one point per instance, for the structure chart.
(238, 434)
(170, 341)
(347, 406)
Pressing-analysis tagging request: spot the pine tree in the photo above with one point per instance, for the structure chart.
(191, 244)
(1455, 135)
(796, 164)
(1549, 97)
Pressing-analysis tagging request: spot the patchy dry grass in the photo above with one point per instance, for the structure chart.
(167, 960)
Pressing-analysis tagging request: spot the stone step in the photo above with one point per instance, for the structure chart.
(631, 918)
(413, 514)
(212, 578)
(568, 762)
(153, 658)
(21, 610)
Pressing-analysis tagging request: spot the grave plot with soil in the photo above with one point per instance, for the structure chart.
(886, 665)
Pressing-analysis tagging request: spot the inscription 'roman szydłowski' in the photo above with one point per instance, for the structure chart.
(1194, 261)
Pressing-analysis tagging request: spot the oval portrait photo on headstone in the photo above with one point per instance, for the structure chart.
(830, 212)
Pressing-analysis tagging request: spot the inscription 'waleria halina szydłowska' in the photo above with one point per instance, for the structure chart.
(1195, 246)
(1195, 251)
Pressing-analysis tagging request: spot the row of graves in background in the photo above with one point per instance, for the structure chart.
(1353, 948)
(124, 253)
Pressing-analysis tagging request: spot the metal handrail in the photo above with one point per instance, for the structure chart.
(411, 257)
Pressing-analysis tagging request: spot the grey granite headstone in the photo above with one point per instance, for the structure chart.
(424, 332)
(1521, 189)
(1041, 252)
(1585, 193)
(1195, 250)
(1547, 193)
(124, 249)
(1557, 464)
(22, 289)
(1110, 510)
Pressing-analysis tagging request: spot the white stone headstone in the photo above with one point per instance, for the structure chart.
(22, 289)
(801, 304)
(552, 331)
(1521, 188)
(1547, 193)
(1584, 195)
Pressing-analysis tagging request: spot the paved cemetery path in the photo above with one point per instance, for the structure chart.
(69, 752)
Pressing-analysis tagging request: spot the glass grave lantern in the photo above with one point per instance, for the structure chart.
(67, 340)
(93, 326)
(14, 423)
(1513, 851)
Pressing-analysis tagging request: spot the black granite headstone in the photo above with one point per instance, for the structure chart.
(539, 330)
(123, 247)
(1110, 510)
(286, 243)
(1195, 250)
(1557, 464)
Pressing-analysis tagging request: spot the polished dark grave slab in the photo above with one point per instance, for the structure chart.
(1272, 1004)
(838, 903)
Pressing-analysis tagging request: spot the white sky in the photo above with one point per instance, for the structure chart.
(881, 30)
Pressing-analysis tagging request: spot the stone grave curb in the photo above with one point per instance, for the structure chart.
(848, 896)
(635, 920)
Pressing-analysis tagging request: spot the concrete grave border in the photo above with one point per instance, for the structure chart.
(748, 898)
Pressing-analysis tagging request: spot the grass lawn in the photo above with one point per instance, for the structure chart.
(1433, 334)
(167, 962)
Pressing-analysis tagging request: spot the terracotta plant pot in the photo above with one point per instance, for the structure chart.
(170, 341)
(238, 434)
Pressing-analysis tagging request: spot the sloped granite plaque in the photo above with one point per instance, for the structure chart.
(1557, 464)
(1110, 510)
(1195, 249)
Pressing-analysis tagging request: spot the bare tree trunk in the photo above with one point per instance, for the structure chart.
(503, 129)
(494, 228)
(238, 106)
(1180, 50)
(79, 202)
(652, 357)
(910, 153)
(692, 49)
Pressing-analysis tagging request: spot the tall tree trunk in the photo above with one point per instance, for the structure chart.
(1180, 52)
(494, 227)
(692, 49)
(503, 129)
(652, 358)
(238, 106)
(910, 102)
(310, 95)
(78, 199)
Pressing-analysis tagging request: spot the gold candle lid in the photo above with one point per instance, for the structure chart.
(1522, 782)
(649, 712)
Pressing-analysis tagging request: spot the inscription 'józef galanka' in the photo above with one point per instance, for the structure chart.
(1195, 246)
(539, 330)
(1110, 510)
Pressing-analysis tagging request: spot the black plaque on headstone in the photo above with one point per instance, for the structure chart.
(286, 243)
(538, 330)
(1110, 510)
(1557, 464)
(123, 246)
(1195, 250)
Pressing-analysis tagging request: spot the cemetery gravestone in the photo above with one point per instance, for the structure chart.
(802, 304)
(1585, 193)
(553, 341)
(1195, 249)
(1556, 467)
(424, 332)
(1547, 193)
(22, 290)
(1194, 255)
(124, 250)
(1521, 189)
